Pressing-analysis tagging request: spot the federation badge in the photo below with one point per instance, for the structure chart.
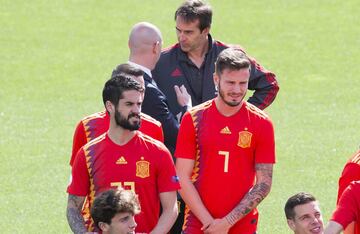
(142, 168)
(244, 139)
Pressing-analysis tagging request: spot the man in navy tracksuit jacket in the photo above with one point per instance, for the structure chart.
(191, 63)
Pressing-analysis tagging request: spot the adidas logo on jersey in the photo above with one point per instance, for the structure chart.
(225, 130)
(121, 160)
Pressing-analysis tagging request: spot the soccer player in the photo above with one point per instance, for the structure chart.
(347, 210)
(114, 211)
(225, 154)
(303, 214)
(191, 61)
(124, 157)
(96, 124)
(351, 172)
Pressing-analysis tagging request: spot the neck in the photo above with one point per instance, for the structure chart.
(119, 135)
(198, 55)
(141, 60)
(225, 109)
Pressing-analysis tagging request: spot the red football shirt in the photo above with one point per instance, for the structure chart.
(96, 124)
(225, 150)
(143, 165)
(348, 208)
(350, 173)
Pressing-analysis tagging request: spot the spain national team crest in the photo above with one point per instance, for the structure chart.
(244, 139)
(142, 168)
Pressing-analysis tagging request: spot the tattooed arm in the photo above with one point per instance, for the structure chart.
(251, 199)
(73, 214)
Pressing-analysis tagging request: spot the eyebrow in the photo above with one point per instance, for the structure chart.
(184, 30)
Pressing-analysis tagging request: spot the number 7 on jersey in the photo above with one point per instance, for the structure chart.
(226, 163)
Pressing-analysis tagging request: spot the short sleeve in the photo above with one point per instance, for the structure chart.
(79, 183)
(167, 180)
(186, 141)
(265, 145)
(79, 140)
(350, 173)
(348, 207)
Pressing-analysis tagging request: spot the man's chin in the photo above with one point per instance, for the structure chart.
(184, 48)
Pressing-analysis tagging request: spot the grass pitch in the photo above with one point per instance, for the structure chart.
(56, 56)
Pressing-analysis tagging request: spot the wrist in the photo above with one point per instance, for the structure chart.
(230, 220)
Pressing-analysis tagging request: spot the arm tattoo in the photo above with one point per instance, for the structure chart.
(255, 195)
(73, 214)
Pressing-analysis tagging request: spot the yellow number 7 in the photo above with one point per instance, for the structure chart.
(226, 163)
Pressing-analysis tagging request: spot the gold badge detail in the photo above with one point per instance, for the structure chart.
(244, 139)
(142, 168)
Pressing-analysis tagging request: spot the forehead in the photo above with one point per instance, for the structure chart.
(122, 215)
(182, 24)
(241, 74)
(308, 208)
(131, 95)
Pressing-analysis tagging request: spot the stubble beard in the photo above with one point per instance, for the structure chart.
(125, 122)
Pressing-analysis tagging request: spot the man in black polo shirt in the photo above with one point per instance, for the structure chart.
(191, 61)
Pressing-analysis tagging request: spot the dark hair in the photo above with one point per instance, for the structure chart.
(192, 10)
(127, 69)
(112, 202)
(115, 87)
(295, 200)
(232, 59)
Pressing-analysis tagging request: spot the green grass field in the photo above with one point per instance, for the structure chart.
(56, 56)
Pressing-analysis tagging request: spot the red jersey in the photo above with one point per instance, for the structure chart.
(96, 124)
(350, 173)
(225, 150)
(143, 165)
(348, 208)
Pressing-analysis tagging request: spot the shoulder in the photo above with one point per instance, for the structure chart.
(148, 119)
(355, 158)
(220, 46)
(170, 50)
(151, 144)
(95, 143)
(153, 94)
(97, 115)
(168, 55)
(256, 112)
(200, 108)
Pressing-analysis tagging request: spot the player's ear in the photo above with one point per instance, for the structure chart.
(216, 79)
(109, 107)
(104, 226)
(291, 224)
(206, 30)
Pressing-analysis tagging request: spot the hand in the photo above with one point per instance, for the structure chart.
(183, 97)
(218, 226)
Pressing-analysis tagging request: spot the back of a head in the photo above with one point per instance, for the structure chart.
(117, 85)
(143, 35)
(128, 69)
(295, 200)
(112, 202)
(192, 10)
(231, 59)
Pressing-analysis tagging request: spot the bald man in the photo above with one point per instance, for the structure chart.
(145, 42)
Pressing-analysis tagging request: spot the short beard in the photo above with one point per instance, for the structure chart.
(222, 96)
(125, 123)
